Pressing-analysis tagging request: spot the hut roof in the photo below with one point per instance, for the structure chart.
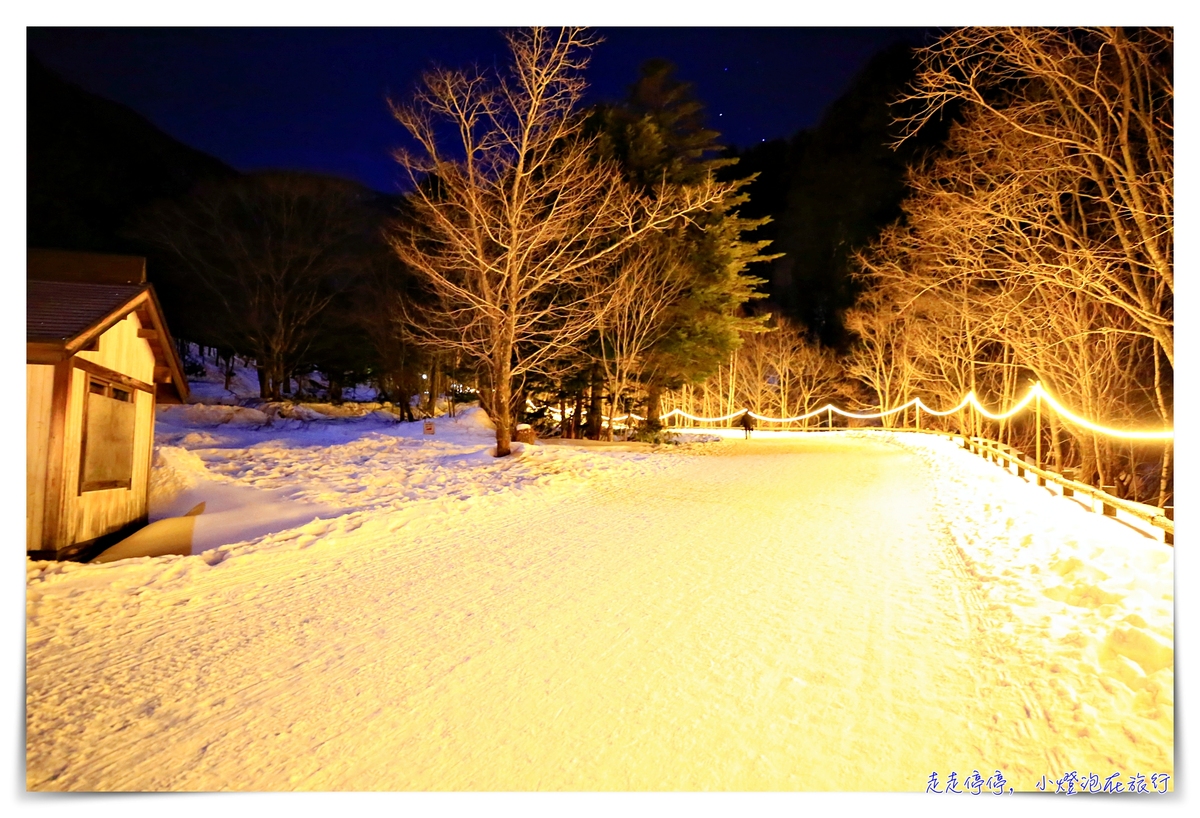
(60, 311)
(64, 315)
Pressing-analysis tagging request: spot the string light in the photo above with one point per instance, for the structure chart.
(970, 400)
(965, 402)
(1165, 434)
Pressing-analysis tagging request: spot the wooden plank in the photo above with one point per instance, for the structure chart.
(55, 456)
(121, 350)
(106, 323)
(38, 352)
(104, 485)
(1068, 486)
(149, 459)
(39, 398)
(149, 334)
(123, 507)
(1108, 509)
(151, 316)
(111, 375)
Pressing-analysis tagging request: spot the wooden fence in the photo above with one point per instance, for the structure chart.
(1013, 460)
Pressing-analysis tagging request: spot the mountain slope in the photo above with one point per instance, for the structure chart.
(93, 163)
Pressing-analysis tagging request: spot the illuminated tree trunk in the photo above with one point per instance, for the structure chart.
(502, 400)
(653, 407)
(595, 421)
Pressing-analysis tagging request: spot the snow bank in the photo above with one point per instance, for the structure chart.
(210, 386)
(175, 470)
(199, 415)
(473, 418)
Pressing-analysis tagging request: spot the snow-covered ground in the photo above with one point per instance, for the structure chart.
(365, 607)
(259, 472)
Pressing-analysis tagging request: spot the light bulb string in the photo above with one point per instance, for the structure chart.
(1036, 392)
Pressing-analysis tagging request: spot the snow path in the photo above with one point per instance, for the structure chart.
(797, 616)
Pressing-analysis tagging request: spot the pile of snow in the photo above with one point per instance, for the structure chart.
(684, 437)
(201, 415)
(177, 421)
(365, 463)
(175, 470)
(474, 418)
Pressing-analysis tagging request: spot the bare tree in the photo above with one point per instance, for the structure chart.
(881, 358)
(1038, 244)
(809, 374)
(513, 213)
(777, 373)
(1102, 100)
(269, 252)
(630, 311)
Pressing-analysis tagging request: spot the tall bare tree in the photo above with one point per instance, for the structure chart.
(808, 373)
(1102, 99)
(513, 214)
(1037, 245)
(630, 312)
(268, 252)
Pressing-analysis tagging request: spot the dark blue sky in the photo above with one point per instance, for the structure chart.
(315, 98)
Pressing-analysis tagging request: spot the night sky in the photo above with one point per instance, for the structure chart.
(315, 98)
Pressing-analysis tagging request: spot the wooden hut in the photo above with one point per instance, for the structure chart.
(98, 360)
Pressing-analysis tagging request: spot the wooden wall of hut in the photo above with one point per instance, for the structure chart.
(73, 516)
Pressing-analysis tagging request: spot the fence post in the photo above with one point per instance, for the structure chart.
(1020, 463)
(1037, 429)
(917, 406)
(1169, 536)
(829, 412)
(1067, 491)
(1105, 508)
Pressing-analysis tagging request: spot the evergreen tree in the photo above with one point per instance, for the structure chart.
(658, 135)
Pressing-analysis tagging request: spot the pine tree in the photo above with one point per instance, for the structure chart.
(658, 135)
